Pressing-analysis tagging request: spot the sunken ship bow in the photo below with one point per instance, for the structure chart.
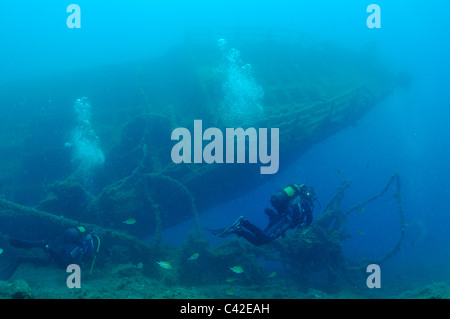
(255, 78)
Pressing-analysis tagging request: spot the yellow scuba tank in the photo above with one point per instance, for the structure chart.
(282, 198)
(292, 190)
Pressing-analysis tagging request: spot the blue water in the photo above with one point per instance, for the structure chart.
(406, 134)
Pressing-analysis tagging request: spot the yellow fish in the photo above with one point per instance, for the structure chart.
(360, 232)
(231, 279)
(308, 240)
(194, 256)
(229, 291)
(305, 231)
(362, 210)
(130, 221)
(165, 264)
(237, 269)
(272, 274)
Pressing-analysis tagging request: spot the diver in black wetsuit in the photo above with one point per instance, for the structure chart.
(75, 246)
(294, 207)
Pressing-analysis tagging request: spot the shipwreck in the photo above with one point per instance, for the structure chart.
(308, 90)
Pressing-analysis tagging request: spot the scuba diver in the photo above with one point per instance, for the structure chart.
(75, 246)
(294, 207)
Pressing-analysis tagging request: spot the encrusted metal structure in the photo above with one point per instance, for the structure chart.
(311, 91)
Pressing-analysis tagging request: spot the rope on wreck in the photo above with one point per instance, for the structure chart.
(394, 180)
(183, 189)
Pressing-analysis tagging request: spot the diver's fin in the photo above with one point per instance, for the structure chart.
(224, 232)
(215, 232)
(9, 270)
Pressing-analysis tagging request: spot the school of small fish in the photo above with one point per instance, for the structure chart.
(236, 269)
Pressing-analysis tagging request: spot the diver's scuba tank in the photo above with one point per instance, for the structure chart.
(283, 197)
